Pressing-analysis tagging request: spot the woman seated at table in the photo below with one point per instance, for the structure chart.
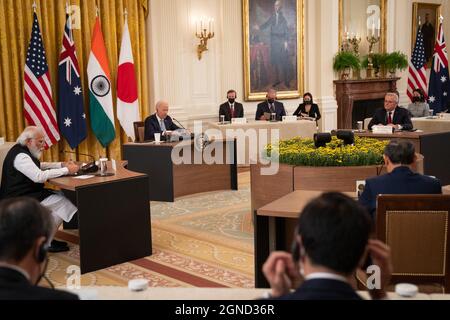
(419, 108)
(308, 108)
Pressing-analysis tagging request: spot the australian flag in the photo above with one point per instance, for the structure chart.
(72, 119)
(439, 89)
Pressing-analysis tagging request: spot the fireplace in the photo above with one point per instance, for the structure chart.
(363, 109)
(358, 99)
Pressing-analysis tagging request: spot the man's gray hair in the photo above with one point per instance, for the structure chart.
(28, 133)
(393, 94)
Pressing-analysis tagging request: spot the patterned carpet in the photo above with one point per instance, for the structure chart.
(204, 240)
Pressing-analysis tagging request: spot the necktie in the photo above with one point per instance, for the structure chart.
(272, 109)
(389, 118)
(232, 110)
(162, 125)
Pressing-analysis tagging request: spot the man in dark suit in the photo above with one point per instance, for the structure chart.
(331, 240)
(270, 106)
(392, 115)
(399, 158)
(159, 122)
(231, 108)
(25, 227)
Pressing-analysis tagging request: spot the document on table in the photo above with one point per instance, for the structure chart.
(84, 177)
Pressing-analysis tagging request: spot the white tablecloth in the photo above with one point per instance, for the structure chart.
(431, 125)
(253, 136)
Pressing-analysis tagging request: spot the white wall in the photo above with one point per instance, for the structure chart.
(195, 89)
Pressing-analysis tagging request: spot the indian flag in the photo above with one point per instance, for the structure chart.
(100, 97)
(127, 93)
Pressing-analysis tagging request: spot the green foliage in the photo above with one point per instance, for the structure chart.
(302, 152)
(345, 59)
(396, 60)
(378, 60)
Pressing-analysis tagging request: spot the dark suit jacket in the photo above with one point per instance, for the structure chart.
(152, 126)
(14, 286)
(323, 289)
(264, 107)
(400, 181)
(313, 112)
(225, 110)
(401, 117)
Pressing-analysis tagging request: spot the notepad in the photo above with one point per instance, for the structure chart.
(84, 177)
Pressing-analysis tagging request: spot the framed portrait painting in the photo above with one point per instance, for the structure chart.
(273, 48)
(428, 14)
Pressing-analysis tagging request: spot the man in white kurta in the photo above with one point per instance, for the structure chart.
(24, 175)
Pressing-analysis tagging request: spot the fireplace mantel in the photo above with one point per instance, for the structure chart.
(349, 91)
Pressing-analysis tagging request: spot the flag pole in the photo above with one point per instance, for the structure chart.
(34, 6)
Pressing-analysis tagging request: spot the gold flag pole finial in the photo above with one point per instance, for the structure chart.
(34, 5)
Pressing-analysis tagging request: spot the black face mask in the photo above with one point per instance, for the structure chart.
(231, 100)
(417, 99)
(308, 102)
(271, 100)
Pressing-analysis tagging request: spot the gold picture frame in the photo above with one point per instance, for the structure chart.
(420, 9)
(265, 64)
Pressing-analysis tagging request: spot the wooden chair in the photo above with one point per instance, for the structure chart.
(139, 129)
(416, 229)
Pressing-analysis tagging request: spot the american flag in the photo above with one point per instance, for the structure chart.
(417, 77)
(72, 119)
(439, 77)
(38, 102)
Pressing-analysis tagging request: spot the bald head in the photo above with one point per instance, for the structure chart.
(162, 109)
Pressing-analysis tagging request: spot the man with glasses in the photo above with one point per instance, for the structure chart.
(392, 115)
(24, 175)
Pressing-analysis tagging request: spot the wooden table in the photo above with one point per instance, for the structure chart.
(113, 217)
(169, 180)
(431, 125)
(435, 147)
(275, 225)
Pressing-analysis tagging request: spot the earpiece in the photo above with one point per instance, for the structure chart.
(42, 253)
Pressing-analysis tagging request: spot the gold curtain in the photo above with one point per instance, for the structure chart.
(16, 17)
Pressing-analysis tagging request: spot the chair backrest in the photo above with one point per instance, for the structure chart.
(139, 129)
(416, 229)
(366, 123)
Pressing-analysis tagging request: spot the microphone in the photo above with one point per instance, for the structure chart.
(81, 154)
(179, 123)
(89, 167)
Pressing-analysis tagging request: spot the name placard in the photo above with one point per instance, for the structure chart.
(239, 120)
(289, 118)
(382, 130)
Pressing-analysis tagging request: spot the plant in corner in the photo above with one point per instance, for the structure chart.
(396, 61)
(379, 63)
(344, 61)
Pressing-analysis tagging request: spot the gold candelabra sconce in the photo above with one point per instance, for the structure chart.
(372, 41)
(203, 31)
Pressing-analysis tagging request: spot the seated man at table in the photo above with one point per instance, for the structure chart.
(159, 122)
(25, 227)
(270, 106)
(331, 242)
(24, 175)
(231, 108)
(392, 115)
(399, 157)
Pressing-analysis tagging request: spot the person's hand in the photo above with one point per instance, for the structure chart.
(167, 133)
(73, 168)
(304, 114)
(392, 125)
(262, 118)
(281, 272)
(381, 257)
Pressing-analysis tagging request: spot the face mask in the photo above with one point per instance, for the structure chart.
(271, 100)
(231, 100)
(307, 102)
(416, 99)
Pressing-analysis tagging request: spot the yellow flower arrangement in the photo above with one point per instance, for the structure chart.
(302, 152)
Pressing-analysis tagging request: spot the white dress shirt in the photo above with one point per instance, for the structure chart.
(48, 170)
(325, 275)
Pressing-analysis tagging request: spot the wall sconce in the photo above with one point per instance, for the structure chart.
(205, 33)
